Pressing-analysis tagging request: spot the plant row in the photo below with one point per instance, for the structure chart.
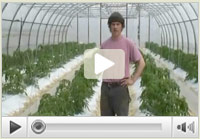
(70, 97)
(187, 62)
(161, 95)
(24, 68)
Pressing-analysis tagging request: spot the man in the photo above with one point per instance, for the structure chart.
(114, 92)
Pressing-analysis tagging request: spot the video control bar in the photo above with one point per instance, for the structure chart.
(100, 127)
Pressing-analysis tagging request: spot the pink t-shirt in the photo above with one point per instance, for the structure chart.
(132, 54)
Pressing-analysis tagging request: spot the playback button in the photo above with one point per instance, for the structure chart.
(185, 127)
(13, 127)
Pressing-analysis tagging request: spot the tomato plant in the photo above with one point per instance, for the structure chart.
(37, 63)
(161, 95)
(188, 62)
(70, 97)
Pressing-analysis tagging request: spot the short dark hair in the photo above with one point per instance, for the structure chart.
(116, 17)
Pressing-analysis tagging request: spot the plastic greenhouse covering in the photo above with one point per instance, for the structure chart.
(42, 57)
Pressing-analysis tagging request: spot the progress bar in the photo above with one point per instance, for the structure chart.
(99, 127)
(105, 126)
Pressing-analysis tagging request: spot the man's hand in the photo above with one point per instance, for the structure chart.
(131, 80)
(126, 82)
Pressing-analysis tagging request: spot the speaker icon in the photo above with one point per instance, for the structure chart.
(182, 127)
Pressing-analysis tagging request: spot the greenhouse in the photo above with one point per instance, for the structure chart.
(43, 47)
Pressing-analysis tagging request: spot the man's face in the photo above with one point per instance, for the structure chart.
(116, 29)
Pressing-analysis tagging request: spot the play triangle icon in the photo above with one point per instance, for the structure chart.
(102, 63)
(14, 127)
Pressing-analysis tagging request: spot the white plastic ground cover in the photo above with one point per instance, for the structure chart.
(12, 103)
(135, 92)
(93, 108)
(137, 102)
(188, 88)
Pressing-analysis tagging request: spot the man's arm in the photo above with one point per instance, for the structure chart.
(131, 80)
(139, 70)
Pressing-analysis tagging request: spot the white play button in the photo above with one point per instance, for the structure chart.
(104, 63)
(101, 63)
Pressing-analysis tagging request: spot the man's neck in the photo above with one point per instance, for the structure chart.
(116, 37)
